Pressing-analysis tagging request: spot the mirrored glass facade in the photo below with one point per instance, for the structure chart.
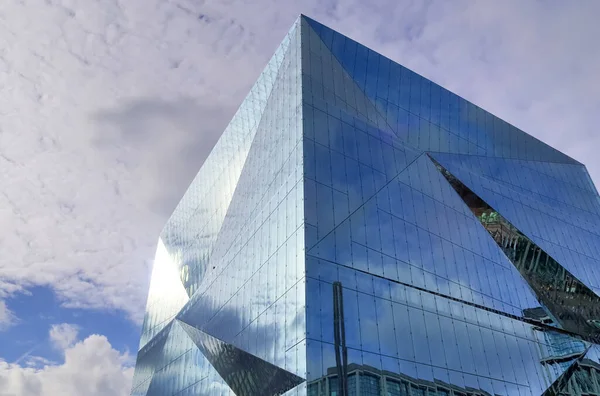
(360, 230)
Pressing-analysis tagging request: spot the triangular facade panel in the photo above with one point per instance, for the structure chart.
(572, 241)
(245, 374)
(203, 209)
(428, 116)
(179, 355)
(536, 182)
(325, 246)
(418, 231)
(572, 304)
(147, 360)
(326, 82)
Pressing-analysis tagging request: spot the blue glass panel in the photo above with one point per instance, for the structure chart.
(333, 84)
(415, 93)
(572, 304)
(541, 182)
(440, 249)
(567, 233)
(491, 351)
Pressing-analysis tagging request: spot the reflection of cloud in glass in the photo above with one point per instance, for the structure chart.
(421, 250)
(404, 324)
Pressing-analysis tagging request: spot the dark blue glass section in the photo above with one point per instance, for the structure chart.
(328, 87)
(396, 91)
(566, 232)
(244, 373)
(572, 304)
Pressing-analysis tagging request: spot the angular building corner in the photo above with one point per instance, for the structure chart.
(360, 230)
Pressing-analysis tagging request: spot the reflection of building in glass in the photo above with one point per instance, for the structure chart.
(563, 357)
(585, 380)
(360, 230)
(557, 351)
(369, 381)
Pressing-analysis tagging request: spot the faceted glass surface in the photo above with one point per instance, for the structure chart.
(244, 373)
(359, 229)
(569, 302)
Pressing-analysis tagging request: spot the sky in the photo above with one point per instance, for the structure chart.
(108, 109)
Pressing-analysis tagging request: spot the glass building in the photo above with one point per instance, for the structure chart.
(360, 230)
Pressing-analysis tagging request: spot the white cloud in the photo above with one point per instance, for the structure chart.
(109, 108)
(63, 335)
(7, 317)
(91, 367)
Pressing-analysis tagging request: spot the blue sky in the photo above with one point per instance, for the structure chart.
(107, 110)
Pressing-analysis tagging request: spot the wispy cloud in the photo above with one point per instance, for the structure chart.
(26, 355)
(7, 317)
